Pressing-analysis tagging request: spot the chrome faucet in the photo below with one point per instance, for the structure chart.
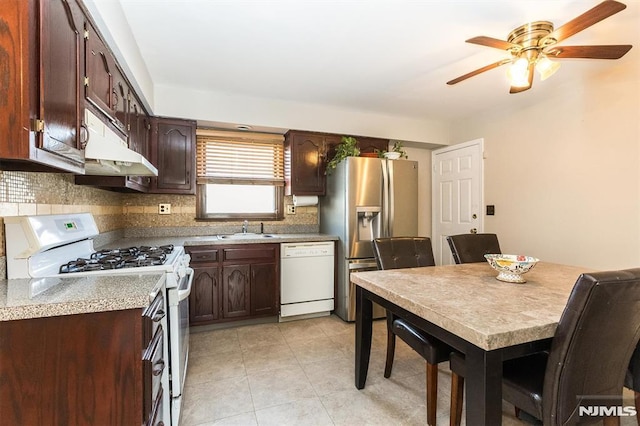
(245, 225)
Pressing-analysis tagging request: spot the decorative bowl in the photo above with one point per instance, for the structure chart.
(510, 267)
(392, 155)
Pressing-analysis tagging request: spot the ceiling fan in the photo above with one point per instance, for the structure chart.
(533, 45)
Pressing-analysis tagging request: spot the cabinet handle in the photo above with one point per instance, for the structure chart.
(158, 368)
(115, 99)
(158, 315)
(84, 135)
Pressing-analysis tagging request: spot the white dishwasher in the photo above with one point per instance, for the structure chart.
(306, 279)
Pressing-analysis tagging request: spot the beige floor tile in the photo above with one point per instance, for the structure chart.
(223, 365)
(279, 387)
(211, 342)
(304, 412)
(301, 330)
(315, 350)
(260, 335)
(292, 379)
(265, 358)
(218, 399)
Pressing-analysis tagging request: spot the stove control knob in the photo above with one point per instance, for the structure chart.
(182, 271)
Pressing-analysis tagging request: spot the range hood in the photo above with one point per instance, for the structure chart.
(106, 154)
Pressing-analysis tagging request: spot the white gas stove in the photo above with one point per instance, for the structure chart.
(41, 247)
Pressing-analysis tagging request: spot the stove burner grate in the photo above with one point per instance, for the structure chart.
(130, 257)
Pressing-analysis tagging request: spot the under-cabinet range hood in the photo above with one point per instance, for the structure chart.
(106, 154)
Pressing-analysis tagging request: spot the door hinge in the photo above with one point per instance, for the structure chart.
(37, 125)
(86, 34)
(86, 81)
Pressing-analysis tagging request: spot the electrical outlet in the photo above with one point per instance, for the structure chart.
(164, 208)
(291, 209)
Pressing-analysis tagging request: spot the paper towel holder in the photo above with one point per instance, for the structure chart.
(305, 200)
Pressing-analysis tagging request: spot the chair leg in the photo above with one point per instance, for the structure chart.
(391, 347)
(457, 396)
(432, 393)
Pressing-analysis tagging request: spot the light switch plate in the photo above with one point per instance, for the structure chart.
(164, 208)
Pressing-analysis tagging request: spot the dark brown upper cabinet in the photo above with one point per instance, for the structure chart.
(305, 161)
(307, 154)
(121, 98)
(173, 152)
(100, 68)
(41, 65)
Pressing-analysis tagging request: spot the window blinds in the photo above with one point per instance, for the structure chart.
(227, 157)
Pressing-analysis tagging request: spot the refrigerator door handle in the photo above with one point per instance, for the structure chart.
(389, 206)
(385, 200)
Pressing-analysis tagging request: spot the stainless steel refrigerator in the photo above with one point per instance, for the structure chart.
(367, 198)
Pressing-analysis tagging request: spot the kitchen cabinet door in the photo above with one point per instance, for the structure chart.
(370, 145)
(40, 85)
(204, 301)
(72, 369)
(236, 290)
(120, 95)
(99, 70)
(305, 173)
(264, 289)
(173, 148)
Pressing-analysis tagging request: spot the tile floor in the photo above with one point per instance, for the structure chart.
(301, 373)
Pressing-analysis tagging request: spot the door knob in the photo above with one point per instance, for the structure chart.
(473, 230)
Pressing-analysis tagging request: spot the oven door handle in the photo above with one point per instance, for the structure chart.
(183, 294)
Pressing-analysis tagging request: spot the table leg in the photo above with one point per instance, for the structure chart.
(483, 387)
(364, 323)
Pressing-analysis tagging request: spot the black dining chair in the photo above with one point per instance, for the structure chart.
(410, 252)
(471, 248)
(588, 358)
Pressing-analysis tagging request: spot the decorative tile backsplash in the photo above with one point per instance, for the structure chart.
(27, 193)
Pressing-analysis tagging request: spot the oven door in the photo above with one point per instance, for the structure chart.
(179, 340)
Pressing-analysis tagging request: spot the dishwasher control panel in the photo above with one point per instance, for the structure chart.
(306, 249)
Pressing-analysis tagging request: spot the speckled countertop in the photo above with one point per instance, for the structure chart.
(48, 297)
(24, 298)
(468, 301)
(206, 240)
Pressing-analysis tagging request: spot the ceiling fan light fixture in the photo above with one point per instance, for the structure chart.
(518, 73)
(546, 67)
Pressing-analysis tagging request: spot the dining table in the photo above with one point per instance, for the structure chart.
(465, 306)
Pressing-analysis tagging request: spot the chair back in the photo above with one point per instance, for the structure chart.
(471, 248)
(403, 252)
(592, 346)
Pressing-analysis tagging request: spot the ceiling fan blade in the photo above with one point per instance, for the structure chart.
(493, 42)
(613, 51)
(587, 19)
(478, 71)
(530, 70)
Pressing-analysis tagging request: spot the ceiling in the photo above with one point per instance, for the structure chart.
(385, 56)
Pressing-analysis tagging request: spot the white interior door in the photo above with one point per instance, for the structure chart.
(457, 195)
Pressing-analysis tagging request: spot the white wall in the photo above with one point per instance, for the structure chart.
(233, 108)
(564, 174)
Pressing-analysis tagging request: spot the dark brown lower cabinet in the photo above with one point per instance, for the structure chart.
(234, 282)
(72, 370)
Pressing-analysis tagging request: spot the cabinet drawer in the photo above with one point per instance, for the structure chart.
(203, 255)
(155, 418)
(152, 317)
(255, 252)
(153, 365)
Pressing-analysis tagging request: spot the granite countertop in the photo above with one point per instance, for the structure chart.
(205, 240)
(468, 301)
(48, 297)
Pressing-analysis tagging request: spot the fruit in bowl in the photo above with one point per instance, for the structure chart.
(510, 267)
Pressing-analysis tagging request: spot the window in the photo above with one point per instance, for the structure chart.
(240, 175)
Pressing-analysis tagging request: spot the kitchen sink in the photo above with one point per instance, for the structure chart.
(245, 236)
